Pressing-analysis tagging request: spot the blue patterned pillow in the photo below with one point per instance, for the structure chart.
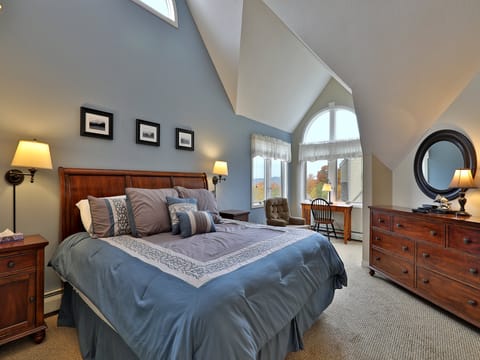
(178, 204)
(195, 222)
(109, 216)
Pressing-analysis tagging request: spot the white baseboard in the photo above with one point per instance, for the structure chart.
(52, 301)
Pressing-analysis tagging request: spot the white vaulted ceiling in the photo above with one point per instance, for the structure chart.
(404, 61)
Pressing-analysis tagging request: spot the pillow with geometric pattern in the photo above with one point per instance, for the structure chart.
(176, 204)
(109, 216)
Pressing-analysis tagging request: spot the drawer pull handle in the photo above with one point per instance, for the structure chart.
(31, 299)
(381, 221)
(467, 241)
(433, 233)
(472, 302)
(405, 248)
(425, 281)
(11, 264)
(473, 271)
(399, 225)
(405, 271)
(425, 255)
(378, 238)
(378, 258)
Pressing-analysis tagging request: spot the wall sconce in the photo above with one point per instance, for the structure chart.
(328, 188)
(462, 179)
(32, 155)
(220, 168)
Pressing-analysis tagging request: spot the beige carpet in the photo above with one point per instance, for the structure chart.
(370, 319)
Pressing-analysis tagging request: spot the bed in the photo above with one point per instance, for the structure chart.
(234, 291)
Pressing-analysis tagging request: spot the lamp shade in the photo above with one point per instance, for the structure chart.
(32, 154)
(462, 178)
(327, 187)
(220, 168)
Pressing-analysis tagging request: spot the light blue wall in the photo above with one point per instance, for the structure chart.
(58, 55)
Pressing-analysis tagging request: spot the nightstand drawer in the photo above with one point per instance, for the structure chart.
(16, 261)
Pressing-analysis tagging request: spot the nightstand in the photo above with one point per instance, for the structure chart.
(21, 289)
(241, 215)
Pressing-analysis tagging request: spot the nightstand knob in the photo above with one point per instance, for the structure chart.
(31, 299)
(11, 264)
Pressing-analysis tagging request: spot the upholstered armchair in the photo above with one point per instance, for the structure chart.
(278, 213)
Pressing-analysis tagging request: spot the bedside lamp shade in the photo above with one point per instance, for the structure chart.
(32, 154)
(462, 179)
(220, 168)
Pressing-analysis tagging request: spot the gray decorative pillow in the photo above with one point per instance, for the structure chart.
(109, 216)
(205, 201)
(177, 204)
(195, 222)
(148, 210)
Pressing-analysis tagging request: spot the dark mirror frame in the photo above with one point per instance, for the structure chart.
(461, 142)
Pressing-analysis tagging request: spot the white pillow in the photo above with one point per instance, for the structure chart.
(85, 214)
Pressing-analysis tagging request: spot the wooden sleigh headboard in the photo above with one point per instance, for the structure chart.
(76, 184)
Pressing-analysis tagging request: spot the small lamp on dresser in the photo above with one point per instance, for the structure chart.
(462, 179)
(32, 155)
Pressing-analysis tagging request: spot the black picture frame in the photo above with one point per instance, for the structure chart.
(148, 133)
(96, 123)
(185, 139)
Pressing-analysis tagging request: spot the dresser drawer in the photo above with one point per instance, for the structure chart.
(461, 266)
(396, 268)
(381, 220)
(464, 238)
(460, 299)
(399, 245)
(420, 229)
(16, 261)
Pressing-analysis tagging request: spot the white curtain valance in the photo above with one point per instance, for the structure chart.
(271, 148)
(330, 150)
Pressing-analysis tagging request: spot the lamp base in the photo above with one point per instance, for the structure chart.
(462, 213)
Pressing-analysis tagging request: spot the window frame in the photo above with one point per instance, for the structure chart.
(170, 4)
(267, 181)
(332, 166)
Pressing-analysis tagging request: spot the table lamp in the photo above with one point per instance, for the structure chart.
(328, 188)
(462, 179)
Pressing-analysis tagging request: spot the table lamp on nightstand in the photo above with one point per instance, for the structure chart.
(32, 155)
(462, 179)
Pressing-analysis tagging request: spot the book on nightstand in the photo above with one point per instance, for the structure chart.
(8, 235)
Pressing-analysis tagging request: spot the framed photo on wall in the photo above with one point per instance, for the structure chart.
(148, 133)
(185, 139)
(96, 123)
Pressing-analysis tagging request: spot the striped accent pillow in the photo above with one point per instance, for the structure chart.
(109, 216)
(195, 222)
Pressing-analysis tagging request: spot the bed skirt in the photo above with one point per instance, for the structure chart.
(97, 340)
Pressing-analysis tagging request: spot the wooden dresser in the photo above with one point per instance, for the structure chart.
(21, 289)
(434, 256)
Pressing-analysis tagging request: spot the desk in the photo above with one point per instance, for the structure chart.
(344, 208)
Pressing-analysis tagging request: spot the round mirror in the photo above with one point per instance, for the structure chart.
(437, 158)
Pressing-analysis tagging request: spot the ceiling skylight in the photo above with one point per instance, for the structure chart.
(164, 9)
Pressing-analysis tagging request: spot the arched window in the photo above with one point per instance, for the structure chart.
(332, 154)
(164, 9)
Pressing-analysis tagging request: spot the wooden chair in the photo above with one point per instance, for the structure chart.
(277, 213)
(322, 217)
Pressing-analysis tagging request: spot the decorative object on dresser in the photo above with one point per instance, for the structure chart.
(462, 179)
(241, 215)
(185, 139)
(148, 133)
(220, 169)
(437, 157)
(435, 256)
(96, 123)
(21, 286)
(32, 155)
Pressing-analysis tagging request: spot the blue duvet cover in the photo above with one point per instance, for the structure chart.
(231, 315)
